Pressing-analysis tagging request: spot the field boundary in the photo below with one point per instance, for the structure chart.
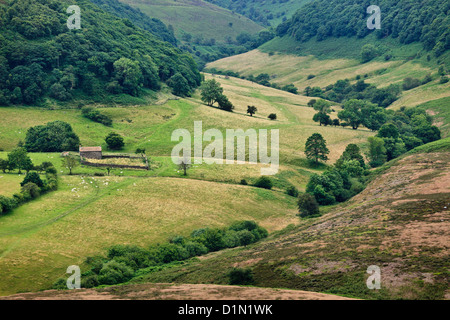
(121, 166)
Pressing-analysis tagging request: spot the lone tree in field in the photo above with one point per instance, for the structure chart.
(70, 163)
(316, 148)
(184, 165)
(251, 110)
(114, 141)
(211, 92)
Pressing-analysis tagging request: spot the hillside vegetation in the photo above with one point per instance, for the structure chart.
(398, 223)
(41, 57)
(313, 72)
(95, 204)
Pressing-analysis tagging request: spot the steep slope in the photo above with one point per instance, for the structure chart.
(197, 17)
(399, 223)
(124, 11)
(425, 21)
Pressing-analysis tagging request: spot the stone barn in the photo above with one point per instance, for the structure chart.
(91, 152)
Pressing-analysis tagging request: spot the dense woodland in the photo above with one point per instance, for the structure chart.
(40, 56)
(410, 21)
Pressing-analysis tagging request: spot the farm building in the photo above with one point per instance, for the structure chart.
(91, 152)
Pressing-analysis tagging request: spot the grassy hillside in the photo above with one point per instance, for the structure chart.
(290, 68)
(199, 18)
(86, 215)
(151, 127)
(398, 223)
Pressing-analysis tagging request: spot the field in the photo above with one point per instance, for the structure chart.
(285, 69)
(197, 17)
(398, 223)
(10, 183)
(150, 127)
(85, 215)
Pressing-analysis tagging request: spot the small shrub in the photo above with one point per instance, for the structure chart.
(32, 177)
(245, 237)
(7, 204)
(114, 272)
(231, 239)
(272, 116)
(195, 249)
(264, 182)
(427, 79)
(90, 281)
(444, 79)
(243, 225)
(60, 284)
(292, 191)
(239, 276)
(411, 83)
(171, 252)
(244, 182)
(30, 191)
(51, 170)
(311, 76)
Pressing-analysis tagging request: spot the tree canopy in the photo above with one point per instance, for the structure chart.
(316, 148)
(41, 57)
(56, 136)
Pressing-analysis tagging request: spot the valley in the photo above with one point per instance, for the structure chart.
(364, 144)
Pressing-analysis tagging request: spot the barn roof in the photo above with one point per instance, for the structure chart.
(90, 149)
